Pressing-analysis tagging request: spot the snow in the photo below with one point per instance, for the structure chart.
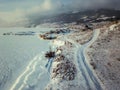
(58, 43)
(31, 74)
(84, 66)
(104, 53)
(112, 27)
(22, 60)
(103, 18)
(24, 66)
(76, 55)
(58, 52)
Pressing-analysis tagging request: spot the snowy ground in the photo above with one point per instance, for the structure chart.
(104, 54)
(22, 62)
(24, 67)
(72, 52)
(91, 74)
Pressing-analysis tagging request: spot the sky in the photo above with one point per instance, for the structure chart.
(21, 12)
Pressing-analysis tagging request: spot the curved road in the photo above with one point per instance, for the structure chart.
(85, 71)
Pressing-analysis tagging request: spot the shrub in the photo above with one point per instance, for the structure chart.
(93, 65)
(50, 54)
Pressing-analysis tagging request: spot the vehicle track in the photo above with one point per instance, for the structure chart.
(84, 68)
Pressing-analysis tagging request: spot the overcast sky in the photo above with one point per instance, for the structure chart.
(19, 12)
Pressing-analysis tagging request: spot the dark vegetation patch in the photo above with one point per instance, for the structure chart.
(20, 33)
(118, 59)
(53, 34)
(50, 54)
(65, 69)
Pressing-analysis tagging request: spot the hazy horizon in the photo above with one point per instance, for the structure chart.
(22, 12)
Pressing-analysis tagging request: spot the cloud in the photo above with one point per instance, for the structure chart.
(14, 18)
(47, 5)
(22, 13)
(20, 17)
(93, 4)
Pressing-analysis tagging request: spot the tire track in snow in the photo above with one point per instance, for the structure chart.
(23, 74)
(22, 81)
(27, 76)
(85, 70)
(92, 78)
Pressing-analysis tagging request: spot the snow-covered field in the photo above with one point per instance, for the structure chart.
(23, 65)
(22, 62)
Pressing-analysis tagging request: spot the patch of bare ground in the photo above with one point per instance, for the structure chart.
(105, 57)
